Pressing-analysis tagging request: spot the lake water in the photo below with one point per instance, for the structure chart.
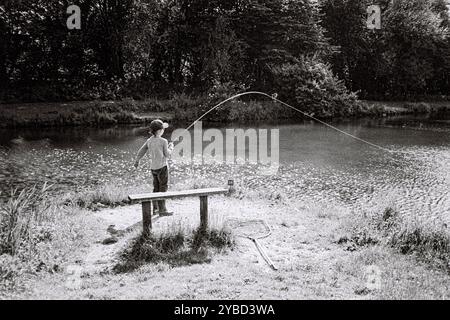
(317, 163)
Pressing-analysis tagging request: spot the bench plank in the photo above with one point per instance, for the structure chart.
(177, 194)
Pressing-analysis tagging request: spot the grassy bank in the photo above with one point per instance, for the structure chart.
(321, 251)
(425, 237)
(38, 234)
(185, 108)
(94, 113)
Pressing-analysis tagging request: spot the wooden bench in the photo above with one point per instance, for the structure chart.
(147, 199)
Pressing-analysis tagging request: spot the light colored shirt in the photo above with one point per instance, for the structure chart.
(158, 150)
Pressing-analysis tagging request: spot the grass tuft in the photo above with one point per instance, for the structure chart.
(428, 239)
(425, 237)
(175, 246)
(108, 195)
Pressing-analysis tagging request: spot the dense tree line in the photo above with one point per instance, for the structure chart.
(298, 48)
(408, 57)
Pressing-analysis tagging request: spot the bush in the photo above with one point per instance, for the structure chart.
(311, 86)
(188, 108)
(251, 111)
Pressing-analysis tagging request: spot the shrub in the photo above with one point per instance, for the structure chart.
(312, 87)
(256, 111)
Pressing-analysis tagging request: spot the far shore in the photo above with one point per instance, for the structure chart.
(100, 113)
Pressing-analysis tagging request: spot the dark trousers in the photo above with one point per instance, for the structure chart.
(160, 182)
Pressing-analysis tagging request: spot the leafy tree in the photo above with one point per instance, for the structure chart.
(407, 57)
(106, 27)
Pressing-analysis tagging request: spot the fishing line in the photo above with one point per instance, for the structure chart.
(374, 145)
(267, 233)
(293, 108)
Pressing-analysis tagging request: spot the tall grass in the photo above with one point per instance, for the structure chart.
(103, 195)
(36, 234)
(428, 239)
(19, 215)
(425, 237)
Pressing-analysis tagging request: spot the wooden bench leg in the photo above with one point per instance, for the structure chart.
(203, 213)
(146, 217)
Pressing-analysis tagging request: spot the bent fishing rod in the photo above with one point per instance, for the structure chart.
(290, 107)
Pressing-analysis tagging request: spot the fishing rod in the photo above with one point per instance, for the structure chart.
(291, 107)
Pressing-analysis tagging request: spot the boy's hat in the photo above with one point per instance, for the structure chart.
(156, 125)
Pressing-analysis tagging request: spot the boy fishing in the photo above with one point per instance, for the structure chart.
(159, 150)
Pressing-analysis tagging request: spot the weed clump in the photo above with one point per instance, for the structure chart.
(425, 237)
(176, 247)
(108, 195)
